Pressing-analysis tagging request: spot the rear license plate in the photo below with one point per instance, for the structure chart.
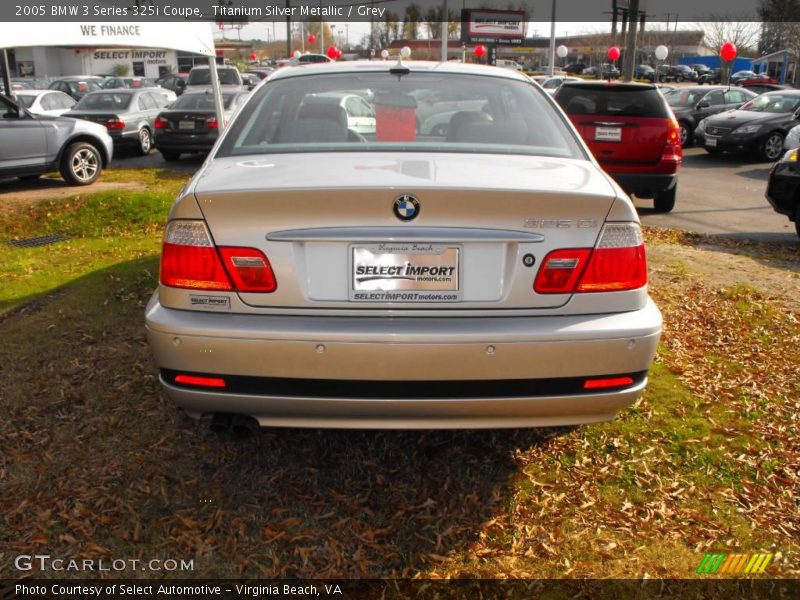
(608, 134)
(711, 141)
(186, 125)
(405, 272)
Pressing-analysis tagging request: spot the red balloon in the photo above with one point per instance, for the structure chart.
(311, 38)
(479, 51)
(613, 53)
(333, 51)
(253, 56)
(727, 52)
(339, 53)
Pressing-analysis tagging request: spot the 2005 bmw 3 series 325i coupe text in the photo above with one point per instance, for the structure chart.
(490, 275)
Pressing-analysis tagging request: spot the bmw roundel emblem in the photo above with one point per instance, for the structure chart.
(406, 207)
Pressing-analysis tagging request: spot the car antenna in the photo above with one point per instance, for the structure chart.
(399, 68)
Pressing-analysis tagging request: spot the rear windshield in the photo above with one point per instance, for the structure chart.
(416, 112)
(774, 102)
(200, 102)
(83, 86)
(104, 101)
(684, 97)
(203, 77)
(616, 101)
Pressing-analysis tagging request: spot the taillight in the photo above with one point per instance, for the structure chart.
(115, 124)
(161, 123)
(190, 260)
(249, 269)
(616, 264)
(212, 123)
(672, 148)
(561, 270)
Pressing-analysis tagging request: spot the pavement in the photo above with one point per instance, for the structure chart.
(717, 194)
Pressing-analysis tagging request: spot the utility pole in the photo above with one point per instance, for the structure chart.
(629, 60)
(288, 31)
(553, 40)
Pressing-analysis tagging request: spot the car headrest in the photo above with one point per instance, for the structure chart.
(461, 119)
(323, 110)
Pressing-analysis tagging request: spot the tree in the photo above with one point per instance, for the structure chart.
(411, 21)
(779, 24)
(740, 29)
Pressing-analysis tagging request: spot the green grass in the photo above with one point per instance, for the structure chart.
(104, 228)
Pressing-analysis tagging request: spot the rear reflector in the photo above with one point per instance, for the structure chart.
(609, 382)
(213, 382)
(618, 263)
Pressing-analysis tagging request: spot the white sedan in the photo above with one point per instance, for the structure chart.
(45, 102)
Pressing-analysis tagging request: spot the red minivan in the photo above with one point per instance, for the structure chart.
(632, 133)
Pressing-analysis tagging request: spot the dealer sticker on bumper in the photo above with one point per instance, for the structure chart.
(405, 272)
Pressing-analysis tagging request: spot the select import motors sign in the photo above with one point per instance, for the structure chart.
(481, 26)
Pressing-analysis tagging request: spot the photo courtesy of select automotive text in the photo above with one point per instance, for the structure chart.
(400, 299)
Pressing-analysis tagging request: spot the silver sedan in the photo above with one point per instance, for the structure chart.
(488, 276)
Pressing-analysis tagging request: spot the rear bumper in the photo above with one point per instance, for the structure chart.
(432, 361)
(644, 185)
(184, 143)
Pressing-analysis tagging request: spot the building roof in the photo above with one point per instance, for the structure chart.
(771, 55)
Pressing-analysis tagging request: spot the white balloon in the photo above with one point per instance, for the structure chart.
(405, 52)
(562, 51)
(297, 54)
(661, 52)
(384, 54)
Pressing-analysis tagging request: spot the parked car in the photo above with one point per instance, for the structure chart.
(740, 76)
(304, 59)
(792, 140)
(113, 83)
(551, 84)
(352, 110)
(174, 82)
(129, 115)
(261, 73)
(31, 145)
(505, 63)
(645, 72)
(301, 266)
(433, 101)
(45, 102)
(190, 124)
(763, 88)
(250, 80)
(680, 73)
(700, 69)
(604, 71)
(693, 104)
(783, 187)
(632, 134)
(575, 68)
(710, 77)
(77, 87)
(201, 77)
(759, 126)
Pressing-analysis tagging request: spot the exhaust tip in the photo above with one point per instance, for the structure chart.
(220, 423)
(244, 426)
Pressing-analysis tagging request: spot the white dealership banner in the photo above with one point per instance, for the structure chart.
(193, 37)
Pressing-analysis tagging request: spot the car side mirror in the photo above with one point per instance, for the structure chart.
(703, 104)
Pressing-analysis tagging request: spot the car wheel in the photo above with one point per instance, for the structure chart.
(170, 155)
(440, 130)
(772, 149)
(664, 202)
(145, 141)
(81, 164)
(686, 134)
(678, 79)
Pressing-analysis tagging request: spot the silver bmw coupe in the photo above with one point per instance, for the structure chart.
(485, 274)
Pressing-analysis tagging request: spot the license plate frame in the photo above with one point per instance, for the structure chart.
(608, 134)
(712, 141)
(405, 272)
(186, 125)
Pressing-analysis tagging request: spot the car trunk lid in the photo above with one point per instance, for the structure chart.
(317, 231)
